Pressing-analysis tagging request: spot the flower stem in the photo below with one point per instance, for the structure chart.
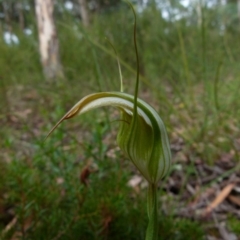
(152, 229)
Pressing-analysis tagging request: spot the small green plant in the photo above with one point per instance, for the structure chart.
(142, 137)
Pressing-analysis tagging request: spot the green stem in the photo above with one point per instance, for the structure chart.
(152, 229)
(137, 59)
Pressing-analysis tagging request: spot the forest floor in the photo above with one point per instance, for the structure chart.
(205, 193)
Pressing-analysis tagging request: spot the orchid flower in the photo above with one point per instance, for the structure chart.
(142, 137)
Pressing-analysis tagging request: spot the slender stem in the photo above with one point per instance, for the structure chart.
(137, 59)
(152, 229)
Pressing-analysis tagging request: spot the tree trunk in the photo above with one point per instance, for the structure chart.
(84, 12)
(48, 41)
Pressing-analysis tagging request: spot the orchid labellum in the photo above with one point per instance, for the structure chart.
(142, 137)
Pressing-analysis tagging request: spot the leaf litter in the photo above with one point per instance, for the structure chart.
(208, 193)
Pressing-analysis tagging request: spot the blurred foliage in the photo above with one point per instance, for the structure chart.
(194, 66)
(192, 72)
(50, 202)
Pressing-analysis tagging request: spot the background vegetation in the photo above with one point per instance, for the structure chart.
(76, 184)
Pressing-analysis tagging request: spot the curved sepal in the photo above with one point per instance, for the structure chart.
(143, 138)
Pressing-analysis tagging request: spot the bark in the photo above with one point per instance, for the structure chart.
(48, 41)
(84, 12)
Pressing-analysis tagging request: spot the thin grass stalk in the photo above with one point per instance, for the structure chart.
(119, 66)
(215, 87)
(203, 42)
(184, 57)
(185, 62)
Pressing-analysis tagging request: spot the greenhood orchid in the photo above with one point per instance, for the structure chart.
(142, 137)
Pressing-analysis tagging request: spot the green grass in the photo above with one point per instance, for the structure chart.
(40, 181)
(233, 225)
(50, 202)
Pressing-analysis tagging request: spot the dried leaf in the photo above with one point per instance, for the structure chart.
(60, 180)
(85, 175)
(26, 225)
(234, 199)
(220, 197)
(202, 196)
(23, 114)
(134, 181)
(9, 226)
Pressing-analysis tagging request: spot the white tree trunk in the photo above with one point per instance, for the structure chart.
(48, 41)
(84, 12)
